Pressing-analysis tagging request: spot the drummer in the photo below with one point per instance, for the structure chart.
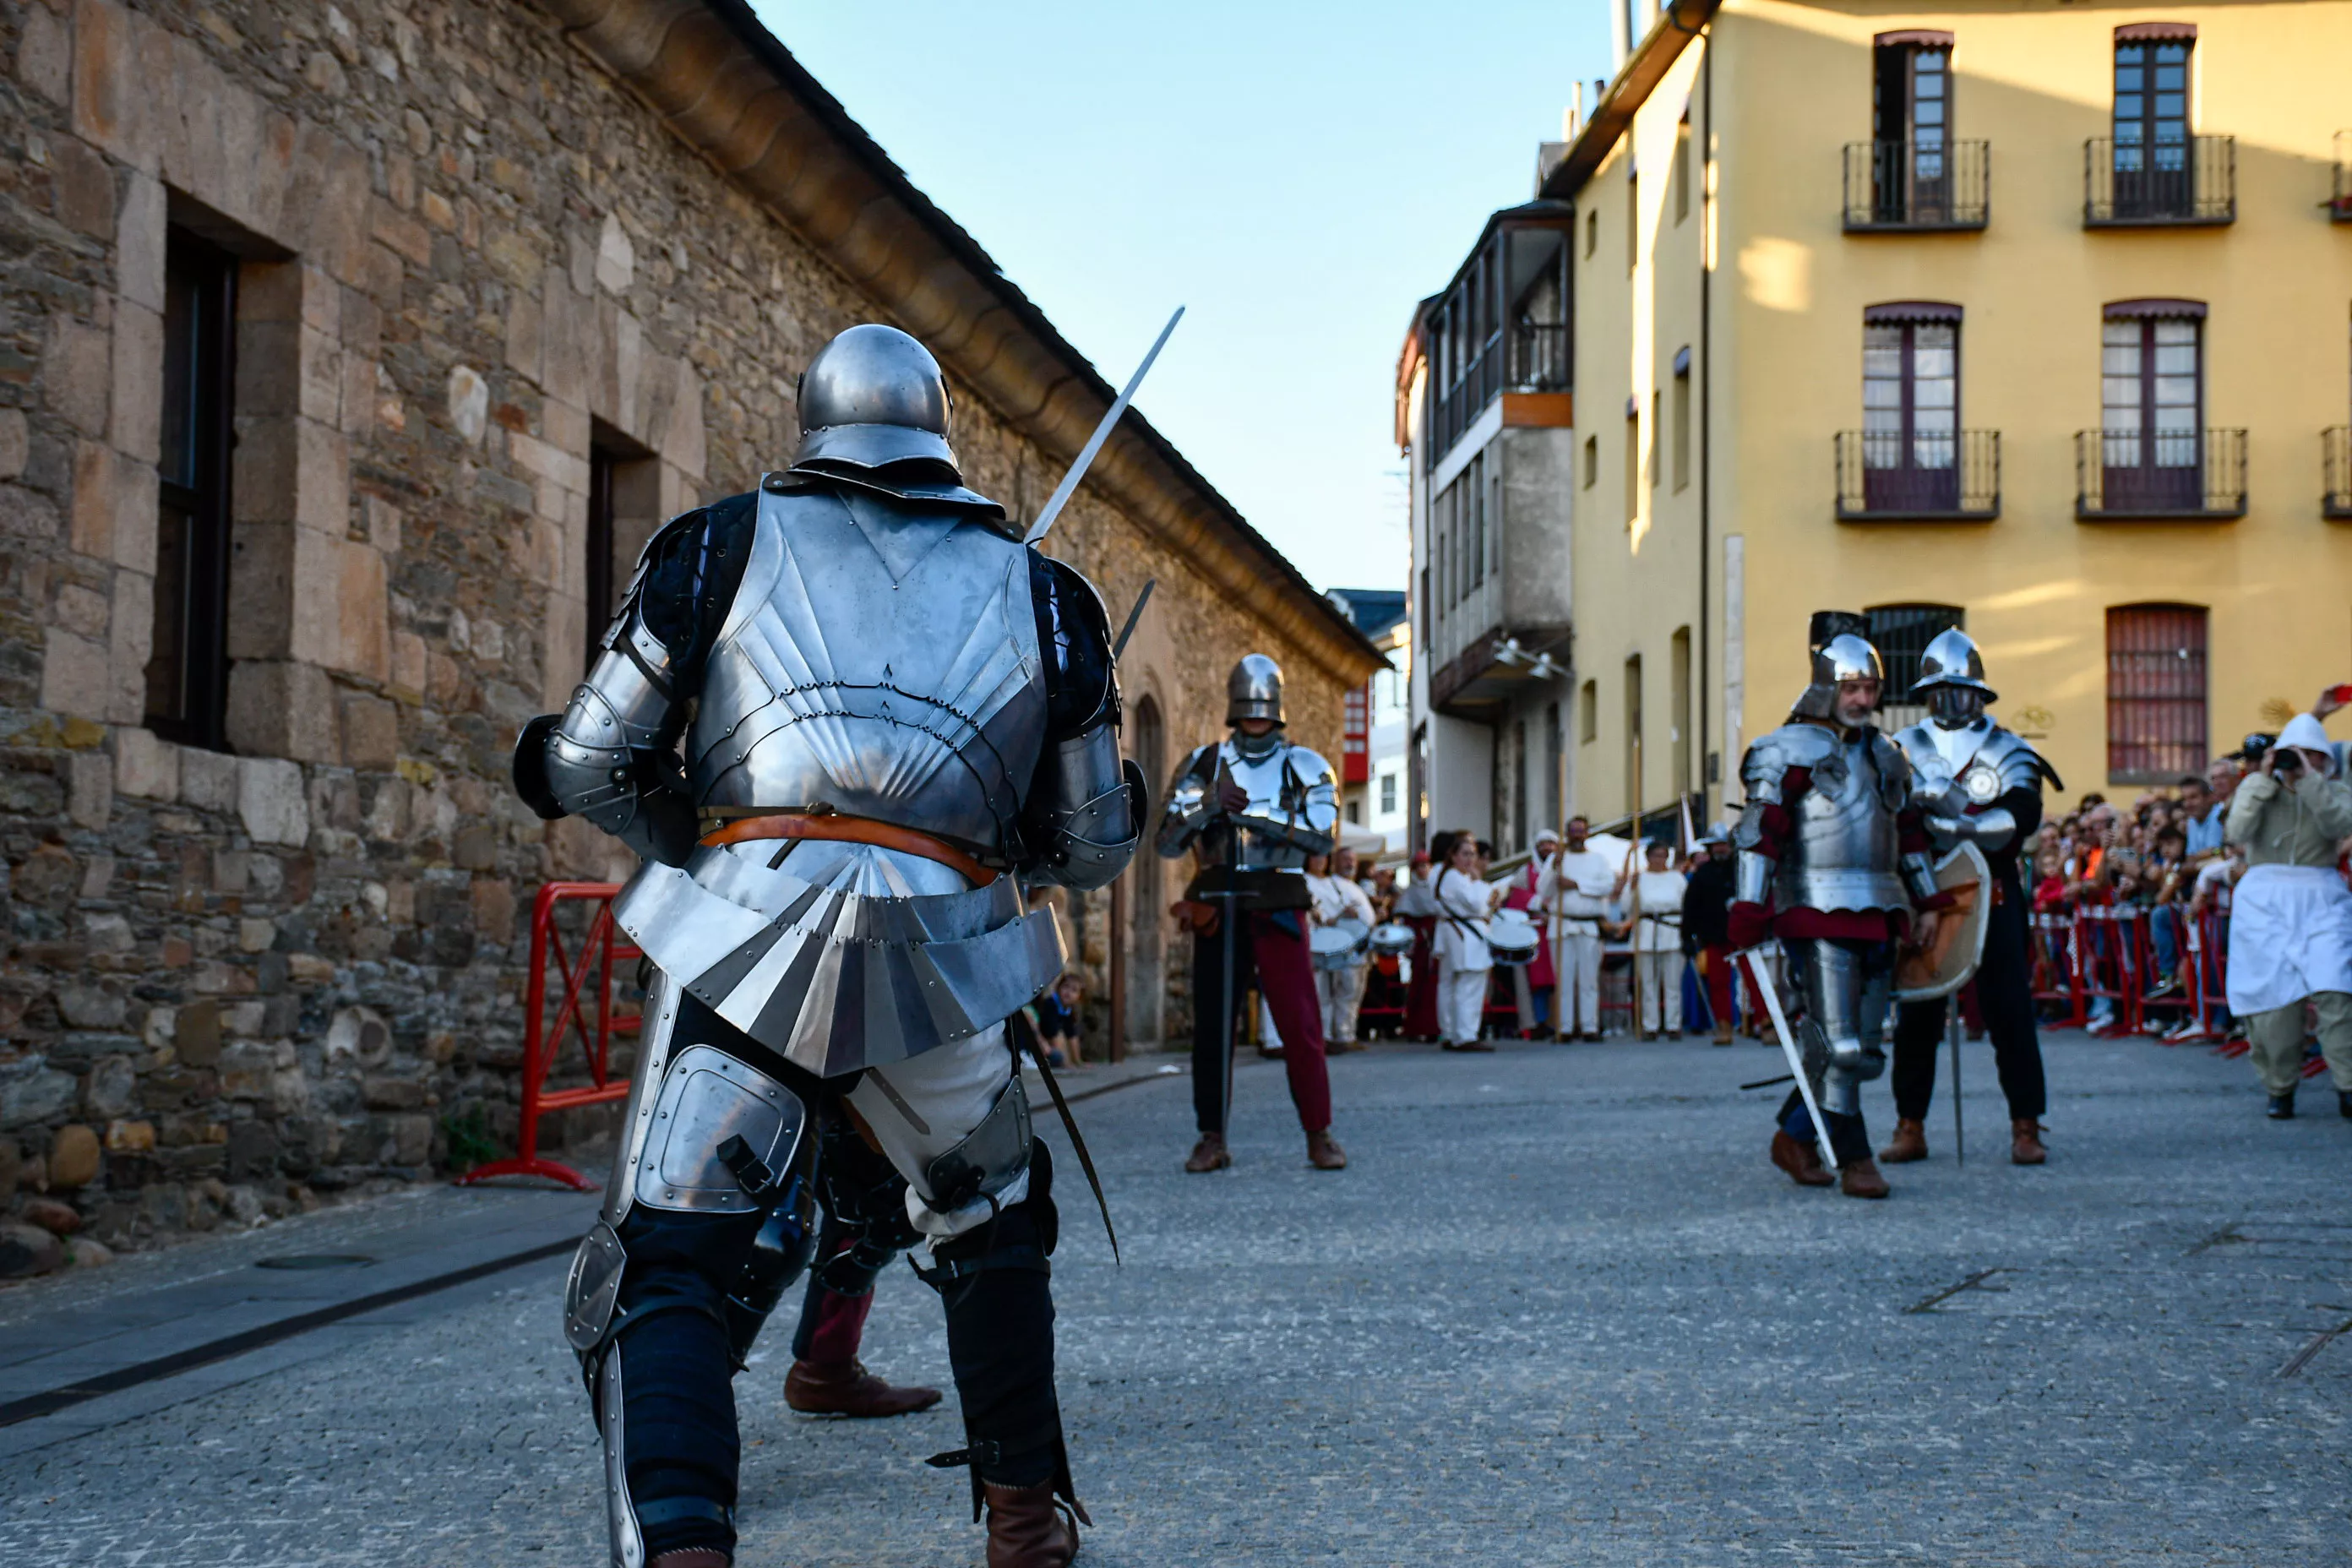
(1464, 964)
(1341, 921)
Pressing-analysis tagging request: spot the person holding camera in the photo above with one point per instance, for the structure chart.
(2291, 921)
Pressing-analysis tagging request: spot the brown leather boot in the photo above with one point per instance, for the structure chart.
(2025, 1141)
(1028, 1527)
(1860, 1180)
(1323, 1151)
(1209, 1154)
(1909, 1142)
(1799, 1160)
(847, 1388)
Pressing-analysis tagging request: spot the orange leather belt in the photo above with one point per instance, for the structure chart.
(850, 830)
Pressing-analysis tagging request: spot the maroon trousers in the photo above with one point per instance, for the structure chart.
(1272, 945)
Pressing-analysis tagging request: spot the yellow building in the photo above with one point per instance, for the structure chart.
(2026, 316)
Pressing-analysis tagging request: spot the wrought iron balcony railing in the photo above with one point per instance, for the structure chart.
(2185, 474)
(2133, 185)
(1908, 186)
(1883, 477)
(2336, 465)
(2340, 206)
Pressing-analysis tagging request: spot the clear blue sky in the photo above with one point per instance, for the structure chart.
(1296, 174)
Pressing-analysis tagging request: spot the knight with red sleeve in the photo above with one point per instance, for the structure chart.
(1833, 858)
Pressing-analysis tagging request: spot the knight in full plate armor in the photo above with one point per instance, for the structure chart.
(893, 717)
(1832, 858)
(1980, 783)
(1251, 809)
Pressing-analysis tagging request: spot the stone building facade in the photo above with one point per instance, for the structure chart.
(497, 287)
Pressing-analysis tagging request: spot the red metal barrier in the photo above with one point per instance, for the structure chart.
(2103, 966)
(601, 949)
(2057, 965)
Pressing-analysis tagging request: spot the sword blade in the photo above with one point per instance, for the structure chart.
(1063, 491)
(1788, 1049)
(1134, 615)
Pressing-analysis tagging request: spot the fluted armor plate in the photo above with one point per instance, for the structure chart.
(881, 662)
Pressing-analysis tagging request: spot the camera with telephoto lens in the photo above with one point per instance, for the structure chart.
(2256, 745)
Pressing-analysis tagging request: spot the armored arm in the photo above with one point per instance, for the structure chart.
(1190, 807)
(1776, 768)
(610, 755)
(1085, 807)
(2014, 815)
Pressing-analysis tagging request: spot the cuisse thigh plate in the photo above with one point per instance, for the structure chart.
(708, 1097)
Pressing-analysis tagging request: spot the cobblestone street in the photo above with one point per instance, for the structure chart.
(1560, 1311)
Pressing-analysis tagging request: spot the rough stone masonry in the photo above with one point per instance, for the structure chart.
(471, 246)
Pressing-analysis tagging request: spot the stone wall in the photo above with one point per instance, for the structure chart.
(234, 982)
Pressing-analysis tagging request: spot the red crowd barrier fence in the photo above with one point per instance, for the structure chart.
(598, 955)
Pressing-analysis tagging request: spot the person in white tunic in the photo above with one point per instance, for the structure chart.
(1575, 887)
(1657, 894)
(1337, 897)
(2291, 923)
(1463, 963)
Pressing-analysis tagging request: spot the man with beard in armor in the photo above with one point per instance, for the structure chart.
(895, 717)
(1251, 809)
(1833, 860)
(1979, 783)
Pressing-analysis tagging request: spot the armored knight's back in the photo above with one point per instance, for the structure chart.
(880, 661)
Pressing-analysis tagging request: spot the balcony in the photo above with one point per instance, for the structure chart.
(2340, 206)
(2193, 475)
(1904, 187)
(1501, 330)
(2169, 185)
(1930, 478)
(2335, 462)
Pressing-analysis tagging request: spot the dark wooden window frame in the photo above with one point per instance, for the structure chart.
(188, 671)
(1907, 486)
(1913, 180)
(2180, 486)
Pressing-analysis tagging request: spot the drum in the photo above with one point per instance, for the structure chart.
(1393, 940)
(1338, 945)
(1512, 937)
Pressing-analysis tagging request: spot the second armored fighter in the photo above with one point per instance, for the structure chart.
(1978, 784)
(1251, 809)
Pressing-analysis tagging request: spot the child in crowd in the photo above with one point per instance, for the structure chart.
(1057, 1022)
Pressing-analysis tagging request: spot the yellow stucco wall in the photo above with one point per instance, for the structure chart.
(1791, 86)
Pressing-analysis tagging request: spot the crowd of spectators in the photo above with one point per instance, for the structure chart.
(2164, 856)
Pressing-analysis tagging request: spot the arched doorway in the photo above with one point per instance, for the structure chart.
(1147, 904)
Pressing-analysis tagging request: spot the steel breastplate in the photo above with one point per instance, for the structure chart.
(1274, 789)
(878, 659)
(1842, 852)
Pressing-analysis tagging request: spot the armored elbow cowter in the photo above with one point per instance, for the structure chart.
(609, 756)
(1089, 812)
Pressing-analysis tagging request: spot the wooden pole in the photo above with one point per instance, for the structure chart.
(1118, 897)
